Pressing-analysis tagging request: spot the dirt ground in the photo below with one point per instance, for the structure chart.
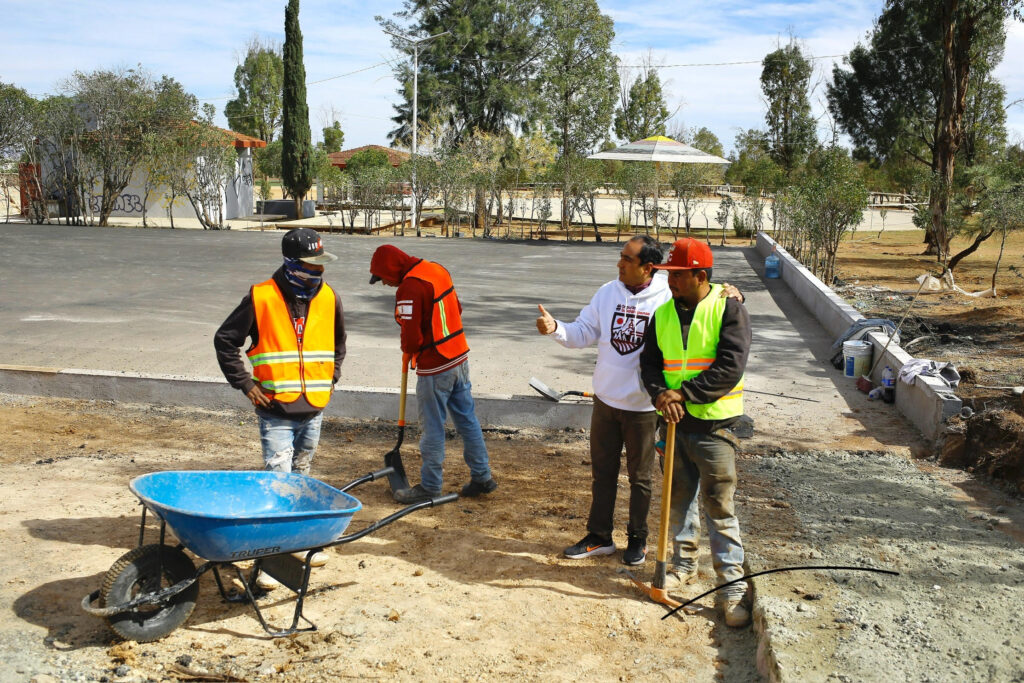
(983, 337)
(474, 590)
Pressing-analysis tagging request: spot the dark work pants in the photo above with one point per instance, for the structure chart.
(610, 430)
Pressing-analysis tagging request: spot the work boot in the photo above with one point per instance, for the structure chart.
(476, 488)
(416, 494)
(319, 558)
(735, 613)
(635, 552)
(679, 575)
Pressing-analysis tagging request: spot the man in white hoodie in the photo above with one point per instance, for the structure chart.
(616, 319)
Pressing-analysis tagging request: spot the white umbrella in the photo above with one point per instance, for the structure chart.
(659, 148)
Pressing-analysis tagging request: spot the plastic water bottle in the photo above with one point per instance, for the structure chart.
(876, 393)
(888, 385)
(771, 266)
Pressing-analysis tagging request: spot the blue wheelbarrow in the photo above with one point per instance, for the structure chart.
(271, 518)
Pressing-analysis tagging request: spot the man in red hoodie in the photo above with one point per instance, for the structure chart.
(430, 316)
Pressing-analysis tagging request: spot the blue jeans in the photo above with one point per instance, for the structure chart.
(288, 445)
(706, 463)
(437, 396)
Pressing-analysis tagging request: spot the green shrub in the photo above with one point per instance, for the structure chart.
(741, 227)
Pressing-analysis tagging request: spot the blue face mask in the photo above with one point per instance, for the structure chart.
(302, 278)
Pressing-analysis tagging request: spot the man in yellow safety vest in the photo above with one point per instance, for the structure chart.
(695, 352)
(297, 329)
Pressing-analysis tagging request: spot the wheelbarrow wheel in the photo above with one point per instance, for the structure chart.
(137, 573)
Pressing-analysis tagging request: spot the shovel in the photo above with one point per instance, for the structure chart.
(550, 394)
(656, 591)
(393, 458)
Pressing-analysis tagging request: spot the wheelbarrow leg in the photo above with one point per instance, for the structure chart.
(286, 569)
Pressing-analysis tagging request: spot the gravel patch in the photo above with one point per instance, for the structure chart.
(953, 613)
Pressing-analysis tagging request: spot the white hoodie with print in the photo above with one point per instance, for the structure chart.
(616, 320)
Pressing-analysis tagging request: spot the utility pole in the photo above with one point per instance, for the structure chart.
(415, 100)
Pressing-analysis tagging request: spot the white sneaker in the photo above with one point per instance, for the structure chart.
(266, 582)
(319, 558)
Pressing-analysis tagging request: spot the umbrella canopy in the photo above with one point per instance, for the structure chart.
(662, 149)
(658, 149)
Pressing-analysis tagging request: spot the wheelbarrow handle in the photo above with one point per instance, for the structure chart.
(409, 509)
(446, 498)
(372, 476)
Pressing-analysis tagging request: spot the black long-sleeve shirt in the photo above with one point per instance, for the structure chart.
(711, 384)
(241, 323)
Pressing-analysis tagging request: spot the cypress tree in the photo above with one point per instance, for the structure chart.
(297, 148)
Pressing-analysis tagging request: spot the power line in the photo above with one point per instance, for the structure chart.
(309, 83)
(758, 61)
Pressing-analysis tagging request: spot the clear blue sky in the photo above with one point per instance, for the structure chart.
(198, 44)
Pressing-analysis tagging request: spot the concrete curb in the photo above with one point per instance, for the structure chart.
(364, 403)
(927, 403)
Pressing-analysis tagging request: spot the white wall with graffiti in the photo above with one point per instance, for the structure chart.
(236, 197)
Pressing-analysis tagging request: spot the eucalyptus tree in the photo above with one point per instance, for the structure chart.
(578, 84)
(642, 111)
(916, 90)
(785, 79)
(257, 109)
(478, 77)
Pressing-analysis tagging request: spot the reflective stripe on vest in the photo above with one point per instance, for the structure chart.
(445, 319)
(285, 369)
(684, 363)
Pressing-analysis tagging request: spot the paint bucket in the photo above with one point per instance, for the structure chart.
(856, 358)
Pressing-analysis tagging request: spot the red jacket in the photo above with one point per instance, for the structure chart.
(414, 309)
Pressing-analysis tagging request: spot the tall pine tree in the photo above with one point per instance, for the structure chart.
(297, 151)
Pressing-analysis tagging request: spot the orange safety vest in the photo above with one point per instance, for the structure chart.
(445, 318)
(285, 368)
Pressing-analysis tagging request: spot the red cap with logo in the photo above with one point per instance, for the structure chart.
(688, 254)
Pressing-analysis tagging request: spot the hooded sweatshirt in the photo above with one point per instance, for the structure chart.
(616, 320)
(414, 301)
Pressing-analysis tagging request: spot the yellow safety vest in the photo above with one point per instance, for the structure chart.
(285, 368)
(684, 363)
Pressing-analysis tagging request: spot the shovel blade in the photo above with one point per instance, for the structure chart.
(397, 479)
(544, 390)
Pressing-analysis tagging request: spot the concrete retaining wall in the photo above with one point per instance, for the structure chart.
(926, 403)
(493, 410)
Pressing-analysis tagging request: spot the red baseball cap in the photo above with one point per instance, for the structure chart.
(688, 254)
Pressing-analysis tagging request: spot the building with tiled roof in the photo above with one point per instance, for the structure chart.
(395, 157)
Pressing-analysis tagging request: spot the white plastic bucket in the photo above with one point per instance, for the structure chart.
(856, 358)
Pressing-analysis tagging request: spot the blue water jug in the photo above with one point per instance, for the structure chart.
(771, 266)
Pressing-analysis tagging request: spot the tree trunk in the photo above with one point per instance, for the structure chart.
(956, 68)
(480, 214)
(978, 239)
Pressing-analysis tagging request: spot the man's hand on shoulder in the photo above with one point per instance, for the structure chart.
(731, 292)
(545, 322)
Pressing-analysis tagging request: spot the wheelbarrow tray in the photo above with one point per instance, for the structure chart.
(225, 516)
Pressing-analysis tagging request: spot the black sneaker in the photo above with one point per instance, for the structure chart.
(636, 551)
(416, 494)
(590, 545)
(476, 488)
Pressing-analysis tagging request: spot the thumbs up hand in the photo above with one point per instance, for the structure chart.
(545, 323)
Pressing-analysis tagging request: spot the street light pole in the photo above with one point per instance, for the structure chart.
(415, 103)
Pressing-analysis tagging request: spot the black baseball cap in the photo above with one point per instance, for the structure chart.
(306, 245)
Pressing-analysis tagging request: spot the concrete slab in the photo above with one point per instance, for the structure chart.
(146, 303)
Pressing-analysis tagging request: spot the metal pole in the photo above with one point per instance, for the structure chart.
(415, 108)
(415, 126)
